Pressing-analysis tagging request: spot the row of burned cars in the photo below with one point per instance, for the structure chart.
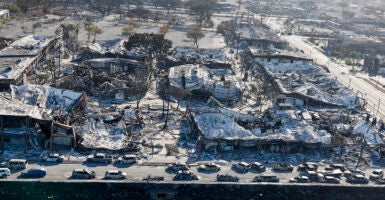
(334, 173)
(308, 172)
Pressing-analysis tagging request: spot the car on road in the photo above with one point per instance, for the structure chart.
(300, 179)
(83, 174)
(178, 166)
(185, 175)
(309, 166)
(257, 167)
(241, 166)
(5, 172)
(331, 179)
(376, 174)
(33, 173)
(115, 175)
(314, 176)
(337, 166)
(17, 164)
(127, 159)
(380, 181)
(358, 179)
(100, 158)
(335, 173)
(3, 164)
(227, 178)
(53, 157)
(266, 178)
(209, 167)
(350, 172)
(283, 168)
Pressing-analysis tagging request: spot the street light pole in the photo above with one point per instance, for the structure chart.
(378, 108)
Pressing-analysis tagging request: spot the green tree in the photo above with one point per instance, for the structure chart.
(195, 33)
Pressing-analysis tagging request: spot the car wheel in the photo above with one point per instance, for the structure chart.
(4, 176)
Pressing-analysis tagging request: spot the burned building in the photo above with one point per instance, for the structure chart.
(114, 77)
(219, 83)
(18, 59)
(32, 115)
(287, 133)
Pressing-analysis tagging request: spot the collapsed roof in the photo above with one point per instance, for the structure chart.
(21, 54)
(201, 78)
(372, 137)
(38, 101)
(220, 126)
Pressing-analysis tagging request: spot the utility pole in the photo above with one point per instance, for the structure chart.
(51, 138)
(26, 133)
(168, 103)
(378, 108)
(2, 133)
(362, 149)
(59, 58)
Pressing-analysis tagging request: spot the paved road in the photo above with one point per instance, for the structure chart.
(341, 72)
(136, 172)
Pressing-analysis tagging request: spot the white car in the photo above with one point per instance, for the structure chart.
(53, 157)
(376, 174)
(5, 172)
(127, 159)
(115, 175)
(210, 167)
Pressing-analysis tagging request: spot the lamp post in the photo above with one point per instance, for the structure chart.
(378, 108)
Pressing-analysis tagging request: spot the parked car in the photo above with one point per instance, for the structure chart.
(227, 178)
(300, 179)
(33, 173)
(5, 172)
(331, 179)
(83, 174)
(337, 173)
(178, 166)
(337, 166)
(16, 164)
(211, 167)
(315, 177)
(256, 166)
(241, 166)
(358, 179)
(376, 174)
(115, 175)
(307, 166)
(100, 158)
(3, 164)
(185, 175)
(266, 178)
(53, 157)
(350, 172)
(127, 159)
(283, 168)
(380, 181)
